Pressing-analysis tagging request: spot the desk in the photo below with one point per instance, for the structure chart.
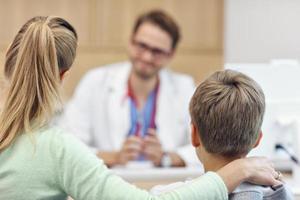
(147, 178)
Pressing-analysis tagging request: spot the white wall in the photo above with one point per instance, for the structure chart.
(260, 30)
(257, 31)
(282, 104)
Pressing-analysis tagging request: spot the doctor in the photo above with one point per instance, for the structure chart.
(137, 109)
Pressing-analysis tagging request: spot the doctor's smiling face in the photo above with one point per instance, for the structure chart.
(150, 49)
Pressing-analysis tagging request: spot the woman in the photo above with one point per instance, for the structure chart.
(41, 162)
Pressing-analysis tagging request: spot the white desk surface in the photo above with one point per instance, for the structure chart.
(158, 174)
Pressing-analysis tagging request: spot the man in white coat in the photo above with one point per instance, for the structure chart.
(137, 110)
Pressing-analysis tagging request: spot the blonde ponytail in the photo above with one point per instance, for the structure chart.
(43, 49)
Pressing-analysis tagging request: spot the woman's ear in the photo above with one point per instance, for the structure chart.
(195, 136)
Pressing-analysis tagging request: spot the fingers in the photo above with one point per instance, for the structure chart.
(149, 146)
(155, 155)
(151, 141)
(153, 152)
(274, 179)
(129, 156)
(133, 144)
(131, 149)
(263, 171)
(151, 132)
(152, 147)
(270, 177)
(151, 138)
(278, 178)
(133, 139)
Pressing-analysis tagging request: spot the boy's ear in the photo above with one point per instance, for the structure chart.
(260, 134)
(63, 74)
(195, 136)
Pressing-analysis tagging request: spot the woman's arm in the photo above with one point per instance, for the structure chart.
(82, 175)
(258, 170)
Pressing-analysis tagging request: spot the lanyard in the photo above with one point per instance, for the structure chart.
(142, 120)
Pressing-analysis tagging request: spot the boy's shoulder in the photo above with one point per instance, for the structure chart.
(257, 192)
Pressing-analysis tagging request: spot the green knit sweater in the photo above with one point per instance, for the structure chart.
(51, 164)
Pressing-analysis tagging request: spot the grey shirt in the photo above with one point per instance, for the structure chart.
(248, 191)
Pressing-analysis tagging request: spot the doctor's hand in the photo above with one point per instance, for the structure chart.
(152, 147)
(131, 149)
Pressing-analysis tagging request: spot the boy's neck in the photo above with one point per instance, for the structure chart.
(212, 162)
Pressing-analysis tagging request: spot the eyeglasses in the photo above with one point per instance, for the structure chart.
(157, 53)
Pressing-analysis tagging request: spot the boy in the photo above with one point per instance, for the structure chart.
(227, 112)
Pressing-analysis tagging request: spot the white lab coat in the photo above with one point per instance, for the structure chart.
(99, 112)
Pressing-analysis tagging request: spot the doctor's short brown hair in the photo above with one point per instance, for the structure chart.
(163, 21)
(227, 109)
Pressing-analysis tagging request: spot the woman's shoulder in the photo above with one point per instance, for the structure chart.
(61, 142)
(56, 136)
(51, 134)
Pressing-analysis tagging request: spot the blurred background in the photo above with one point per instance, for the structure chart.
(214, 31)
(104, 27)
(258, 37)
